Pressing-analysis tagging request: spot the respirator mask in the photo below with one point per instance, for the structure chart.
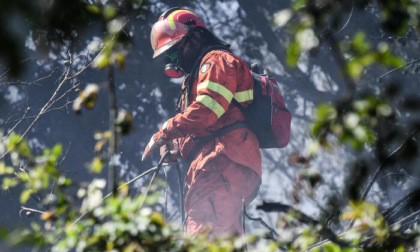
(172, 63)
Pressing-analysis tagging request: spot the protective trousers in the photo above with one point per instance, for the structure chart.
(214, 199)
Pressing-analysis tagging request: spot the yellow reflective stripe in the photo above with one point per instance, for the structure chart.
(244, 96)
(211, 104)
(171, 18)
(216, 87)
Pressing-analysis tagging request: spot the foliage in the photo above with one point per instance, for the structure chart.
(367, 114)
(77, 216)
(317, 22)
(90, 221)
(354, 125)
(314, 23)
(37, 179)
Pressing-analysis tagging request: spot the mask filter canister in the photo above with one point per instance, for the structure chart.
(172, 68)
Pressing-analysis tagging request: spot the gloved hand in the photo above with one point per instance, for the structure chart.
(173, 148)
(154, 144)
(157, 141)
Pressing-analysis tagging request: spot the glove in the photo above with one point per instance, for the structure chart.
(173, 148)
(154, 144)
(156, 141)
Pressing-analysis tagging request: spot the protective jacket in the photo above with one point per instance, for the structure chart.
(221, 77)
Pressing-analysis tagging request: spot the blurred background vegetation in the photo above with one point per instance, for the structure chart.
(80, 96)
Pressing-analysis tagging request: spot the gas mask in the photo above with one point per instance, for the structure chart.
(172, 66)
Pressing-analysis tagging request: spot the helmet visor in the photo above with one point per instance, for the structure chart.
(165, 34)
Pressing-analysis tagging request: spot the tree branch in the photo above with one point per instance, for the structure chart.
(381, 166)
(326, 232)
(66, 76)
(112, 147)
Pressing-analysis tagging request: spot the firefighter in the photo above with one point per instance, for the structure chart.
(225, 170)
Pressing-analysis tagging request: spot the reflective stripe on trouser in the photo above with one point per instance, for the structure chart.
(214, 200)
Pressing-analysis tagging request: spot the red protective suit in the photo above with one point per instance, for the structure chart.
(227, 169)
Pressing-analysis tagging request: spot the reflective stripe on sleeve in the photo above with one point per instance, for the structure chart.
(244, 96)
(212, 104)
(216, 87)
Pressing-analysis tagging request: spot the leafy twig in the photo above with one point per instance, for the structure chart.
(153, 169)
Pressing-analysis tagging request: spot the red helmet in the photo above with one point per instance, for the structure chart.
(172, 26)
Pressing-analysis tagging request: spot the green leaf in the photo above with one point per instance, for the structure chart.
(120, 60)
(299, 4)
(96, 165)
(3, 233)
(331, 247)
(384, 110)
(352, 141)
(16, 144)
(316, 128)
(9, 182)
(93, 9)
(393, 61)
(359, 43)
(63, 181)
(56, 151)
(109, 12)
(23, 149)
(292, 54)
(326, 112)
(5, 169)
(354, 69)
(400, 249)
(101, 61)
(362, 133)
(23, 176)
(385, 57)
(55, 155)
(368, 59)
(25, 196)
(13, 141)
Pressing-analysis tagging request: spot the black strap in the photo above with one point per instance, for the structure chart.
(239, 106)
(202, 141)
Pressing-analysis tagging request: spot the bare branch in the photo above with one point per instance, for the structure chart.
(396, 174)
(14, 127)
(61, 81)
(30, 210)
(153, 169)
(348, 20)
(34, 116)
(394, 153)
(407, 65)
(35, 82)
(325, 231)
